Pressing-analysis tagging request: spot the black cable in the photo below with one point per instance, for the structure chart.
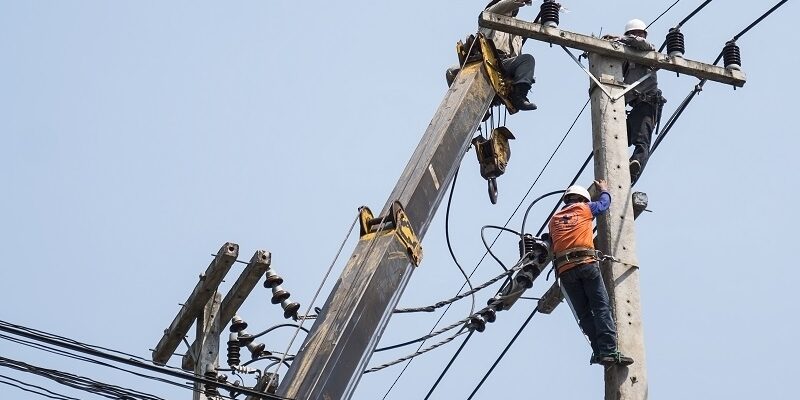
(9, 328)
(447, 237)
(268, 330)
(453, 359)
(758, 21)
(685, 20)
(525, 218)
(489, 248)
(78, 382)
(575, 179)
(525, 324)
(50, 393)
(67, 354)
(662, 14)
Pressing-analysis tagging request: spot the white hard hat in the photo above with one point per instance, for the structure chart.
(579, 190)
(635, 25)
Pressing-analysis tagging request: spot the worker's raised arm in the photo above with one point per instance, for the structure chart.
(506, 7)
(638, 43)
(603, 201)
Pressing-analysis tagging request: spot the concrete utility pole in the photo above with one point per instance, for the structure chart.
(616, 231)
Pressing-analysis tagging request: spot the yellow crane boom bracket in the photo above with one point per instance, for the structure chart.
(487, 54)
(396, 223)
(494, 68)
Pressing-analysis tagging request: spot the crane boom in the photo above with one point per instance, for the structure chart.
(336, 351)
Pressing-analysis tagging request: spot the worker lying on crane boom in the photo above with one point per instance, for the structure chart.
(517, 66)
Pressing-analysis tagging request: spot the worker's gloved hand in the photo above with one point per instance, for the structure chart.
(602, 185)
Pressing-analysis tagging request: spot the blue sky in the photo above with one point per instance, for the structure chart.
(140, 136)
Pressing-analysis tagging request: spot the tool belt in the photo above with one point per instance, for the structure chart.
(653, 97)
(574, 254)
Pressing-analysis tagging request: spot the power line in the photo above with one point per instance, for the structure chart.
(79, 382)
(685, 20)
(41, 391)
(447, 368)
(502, 354)
(662, 14)
(89, 350)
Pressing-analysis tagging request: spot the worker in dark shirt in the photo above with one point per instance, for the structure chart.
(579, 272)
(645, 99)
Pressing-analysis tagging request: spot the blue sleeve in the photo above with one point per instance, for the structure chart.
(601, 205)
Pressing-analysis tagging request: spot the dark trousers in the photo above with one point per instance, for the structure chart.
(585, 290)
(642, 119)
(520, 69)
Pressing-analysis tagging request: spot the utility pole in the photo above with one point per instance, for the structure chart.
(616, 231)
(212, 313)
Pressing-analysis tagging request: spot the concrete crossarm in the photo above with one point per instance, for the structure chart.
(611, 49)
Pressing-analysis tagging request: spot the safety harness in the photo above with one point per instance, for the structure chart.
(574, 254)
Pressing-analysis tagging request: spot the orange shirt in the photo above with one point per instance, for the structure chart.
(571, 227)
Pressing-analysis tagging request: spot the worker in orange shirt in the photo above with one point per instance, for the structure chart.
(579, 272)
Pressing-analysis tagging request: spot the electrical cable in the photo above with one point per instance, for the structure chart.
(74, 356)
(316, 294)
(489, 248)
(79, 382)
(434, 307)
(450, 246)
(662, 14)
(447, 368)
(49, 394)
(89, 350)
(415, 354)
(558, 203)
(525, 218)
(256, 336)
(685, 20)
(505, 350)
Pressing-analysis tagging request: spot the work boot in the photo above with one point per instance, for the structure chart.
(636, 169)
(519, 97)
(615, 358)
(450, 75)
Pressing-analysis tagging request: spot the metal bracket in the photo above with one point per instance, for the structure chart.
(396, 223)
(494, 69)
(597, 82)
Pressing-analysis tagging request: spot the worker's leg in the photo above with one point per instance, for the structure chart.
(599, 303)
(573, 288)
(451, 73)
(520, 70)
(641, 121)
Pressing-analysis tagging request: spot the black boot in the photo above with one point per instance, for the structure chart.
(519, 97)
